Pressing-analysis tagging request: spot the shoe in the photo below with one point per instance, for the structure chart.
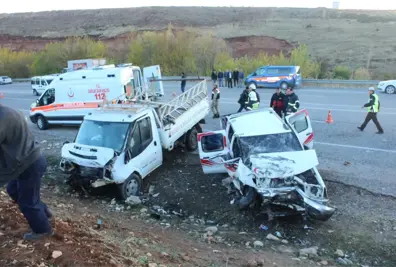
(360, 128)
(33, 236)
(380, 132)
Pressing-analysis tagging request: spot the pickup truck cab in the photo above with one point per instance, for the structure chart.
(267, 158)
(123, 143)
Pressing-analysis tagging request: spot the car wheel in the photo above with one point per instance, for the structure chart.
(390, 89)
(284, 85)
(192, 140)
(131, 186)
(42, 123)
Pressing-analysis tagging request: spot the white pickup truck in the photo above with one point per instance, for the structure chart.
(124, 143)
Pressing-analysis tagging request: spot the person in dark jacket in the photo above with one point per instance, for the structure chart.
(235, 77)
(277, 101)
(220, 77)
(291, 102)
(214, 77)
(373, 107)
(229, 79)
(243, 98)
(21, 167)
(183, 82)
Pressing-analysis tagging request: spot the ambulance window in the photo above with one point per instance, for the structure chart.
(43, 82)
(33, 82)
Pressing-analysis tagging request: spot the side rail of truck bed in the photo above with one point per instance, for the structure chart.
(180, 104)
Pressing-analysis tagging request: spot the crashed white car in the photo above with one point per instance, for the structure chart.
(268, 159)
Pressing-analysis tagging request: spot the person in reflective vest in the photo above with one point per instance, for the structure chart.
(291, 103)
(373, 107)
(253, 101)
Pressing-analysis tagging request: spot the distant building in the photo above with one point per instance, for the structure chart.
(336, 5)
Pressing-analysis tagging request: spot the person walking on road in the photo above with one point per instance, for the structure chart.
(220, 77)
(373, 107)
(253, 99)
(215, 101)
(243, 98)
(277, 101)
(21, 167)
(214, 77)
(183, 82)
(291, 102)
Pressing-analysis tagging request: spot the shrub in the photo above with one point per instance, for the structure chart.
(361, 74)
(342, 73)
(15, 64)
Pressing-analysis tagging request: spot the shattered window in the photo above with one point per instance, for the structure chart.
(103, 134)
(271, 143)
(212, 143)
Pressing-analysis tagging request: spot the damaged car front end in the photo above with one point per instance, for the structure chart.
(288, 179)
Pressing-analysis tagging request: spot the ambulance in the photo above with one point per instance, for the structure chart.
(73, 95)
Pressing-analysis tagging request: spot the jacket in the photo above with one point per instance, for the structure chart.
(277, 101)
(374, 104)
(220, 75)
(17, 147)
(291, 103)
(183, 83)
(214, 75)
(241, 75)
(243, 98)
(235, 75)
(216, 94)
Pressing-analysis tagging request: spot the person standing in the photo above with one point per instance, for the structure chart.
(21, 167)
(291, 102)
(215, 101)
(220, 76)
(183, 82)
(229, 78)
(253, 101)
(373, 107)
(241, 78)
(277, 101)
(243, 98)
(235, 77)
(214, 77)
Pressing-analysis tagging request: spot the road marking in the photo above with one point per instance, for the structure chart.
(356, 147)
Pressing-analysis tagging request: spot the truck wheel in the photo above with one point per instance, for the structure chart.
(42, 123)
(131, 186)
(192, 140)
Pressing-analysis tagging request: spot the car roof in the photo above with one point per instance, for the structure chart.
(265, 121)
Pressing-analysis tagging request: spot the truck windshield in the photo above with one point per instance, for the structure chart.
(271, 143)
(103, 134)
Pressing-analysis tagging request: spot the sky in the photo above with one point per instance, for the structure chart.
(46, 5)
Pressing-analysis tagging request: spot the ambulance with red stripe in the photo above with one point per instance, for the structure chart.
(73, 95)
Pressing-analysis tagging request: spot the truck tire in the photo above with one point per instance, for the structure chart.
(131, 186)
(192, 140)
(42, 123)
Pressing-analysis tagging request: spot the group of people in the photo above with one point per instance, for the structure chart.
(283, 104)
(228, 78)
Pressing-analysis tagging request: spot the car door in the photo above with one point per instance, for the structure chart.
(213, 149)
(145, 150)
(301, 124)
(153, 72)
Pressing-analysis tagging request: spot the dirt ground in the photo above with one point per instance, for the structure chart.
(186, 220)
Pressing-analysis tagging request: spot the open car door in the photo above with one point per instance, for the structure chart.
(302, 125)
(150, 73)
(212, 147)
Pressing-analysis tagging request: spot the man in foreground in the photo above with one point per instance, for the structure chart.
(21, 167)
(373, 107)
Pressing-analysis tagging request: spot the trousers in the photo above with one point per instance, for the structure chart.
(25, 191)
(215, 106)
(372, 116)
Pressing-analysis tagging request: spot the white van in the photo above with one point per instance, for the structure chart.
(41, 83)
(72, 95)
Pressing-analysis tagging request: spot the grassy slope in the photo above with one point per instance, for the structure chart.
(338, 36)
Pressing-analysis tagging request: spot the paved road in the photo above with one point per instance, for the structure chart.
(372, 156)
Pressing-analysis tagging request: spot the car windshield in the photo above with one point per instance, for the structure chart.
(271, 143)
(103, 134)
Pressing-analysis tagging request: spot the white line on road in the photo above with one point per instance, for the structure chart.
(356, 147)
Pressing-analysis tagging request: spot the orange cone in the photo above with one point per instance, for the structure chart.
(329, 118)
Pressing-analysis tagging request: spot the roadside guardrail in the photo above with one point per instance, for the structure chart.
(305, 82)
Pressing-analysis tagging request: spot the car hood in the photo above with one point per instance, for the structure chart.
(284, 164)
(388, 81)
(88, 156)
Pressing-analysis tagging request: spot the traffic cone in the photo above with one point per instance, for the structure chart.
(329, 118)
